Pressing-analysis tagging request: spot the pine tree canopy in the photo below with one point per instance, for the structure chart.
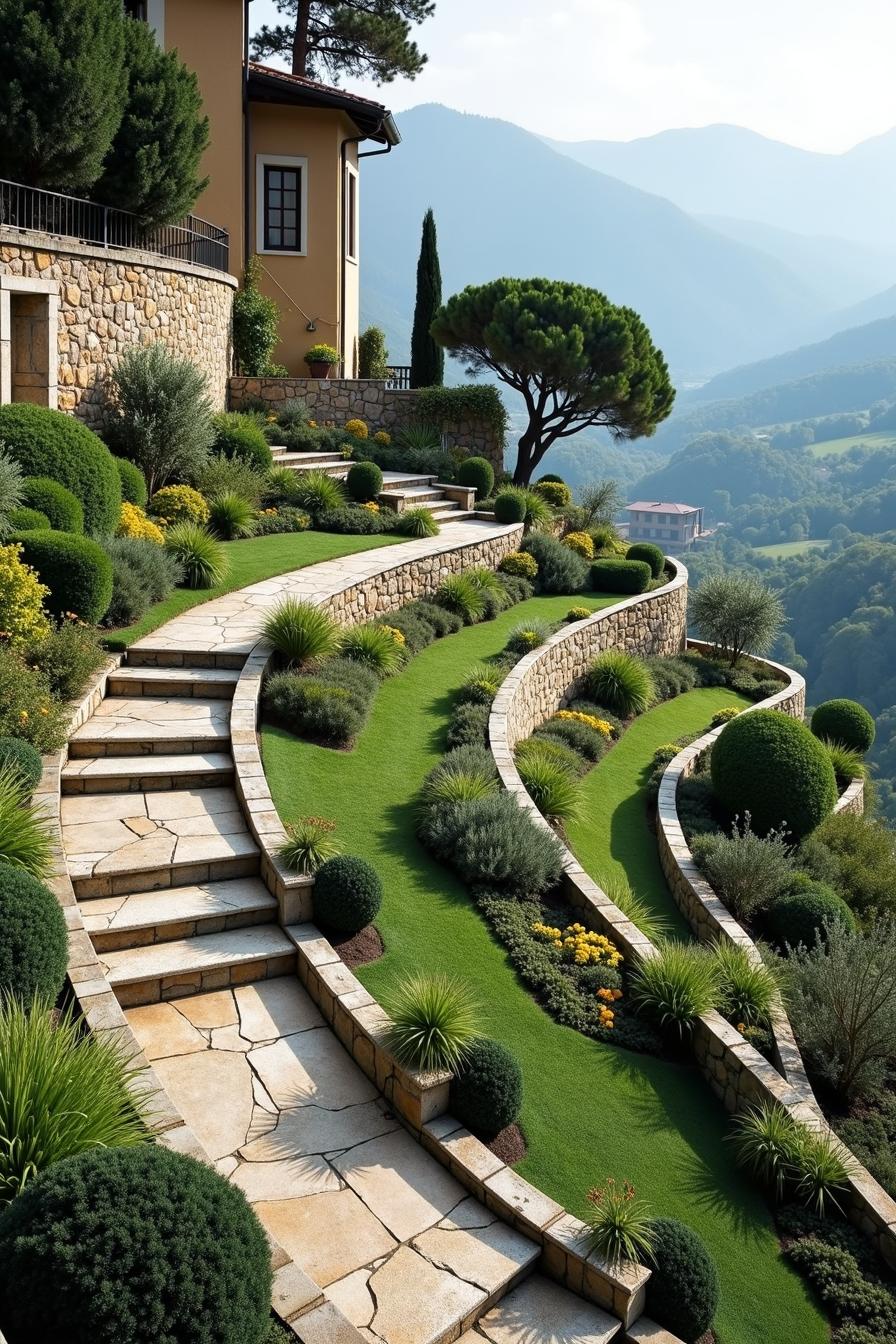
(325, 39)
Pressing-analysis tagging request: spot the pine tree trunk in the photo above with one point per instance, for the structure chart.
(300, 41)
(427, 358)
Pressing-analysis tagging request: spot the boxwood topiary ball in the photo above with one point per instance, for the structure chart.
(510, 506)
(49, 497)
(77, 571)
(800, 916)
(347, 894)
(133, 482)
(50, 443)
(771, 766)
(487, 1094)
(683, 1289)
(650, 554)
(24, 759)
(138, 1244)
(846, 722)
(364, 481)
(479, 473)
(33, 939)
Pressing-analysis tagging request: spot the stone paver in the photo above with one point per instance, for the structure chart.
(399, 1181)
(541, 1312)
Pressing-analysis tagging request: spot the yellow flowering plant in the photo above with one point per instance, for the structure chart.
(578, 945)
(133, 522)
(590, 720)
(357, 428)
(23, 622)
(397, 635)
(382, 438)
(577, 613)
(581, 543)
(179, 504)
(371, 506)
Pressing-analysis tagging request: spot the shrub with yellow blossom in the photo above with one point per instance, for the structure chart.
(578, 945)
(723, 716)
(581, 543)
(133, 522)
(577, 613)
(519, 563)
(357, 428)
(179, 504)
(371, 506)
(23, 621)
(590, 720)
(382, 438)
(397, 635)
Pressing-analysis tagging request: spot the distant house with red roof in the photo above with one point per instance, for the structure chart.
(671, 526)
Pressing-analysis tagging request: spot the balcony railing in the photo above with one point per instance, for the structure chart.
(192, 239)
(399, 378)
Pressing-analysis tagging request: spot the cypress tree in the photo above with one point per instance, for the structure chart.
(427, 358)
(62, 90)
(152, 167)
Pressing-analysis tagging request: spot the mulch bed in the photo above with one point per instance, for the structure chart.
(360, 948)
(509, 1145)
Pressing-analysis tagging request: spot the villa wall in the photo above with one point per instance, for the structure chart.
(99, 303)
(341, 398)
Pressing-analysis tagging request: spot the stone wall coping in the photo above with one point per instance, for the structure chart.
(58, 243)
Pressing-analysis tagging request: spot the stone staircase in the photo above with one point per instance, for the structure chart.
(401, 490)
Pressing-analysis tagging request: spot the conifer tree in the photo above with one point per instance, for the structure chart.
(328, 38)
(427, 357)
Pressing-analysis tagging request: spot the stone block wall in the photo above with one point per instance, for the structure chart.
(100, 303)
(340, 399)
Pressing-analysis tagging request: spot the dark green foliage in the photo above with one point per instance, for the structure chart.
(255, 319)
(588, 742)
(650, 554)
(672, 676)
(49, 443)
(837, 1278)
(33, 938)
(560, 570)
(347, 894)
(771, 766)
(800, 916)
(364, 481)
(76, 569)
(241, 436)
(354, 521)
(52, 499)
(142, 573)
(442, 406)
(62, 90)
(551, 337)
(330, 705)
(68, 656)
(843, 721)
(620, 680)
(487, 1094)
(27, 709)
(509, 506)
(479, 473)
(285, 519)
(373, 358)
(152, 168)
(516, 588)
(133, 482)
(27, 520)
(351, 39)
(683, 1289)
(427, 356)
(468, 726)
(171, 1220)
(24, 759)
(431, 461)
(620, 576)
(696, 806)
(857, 856)
(494, 841)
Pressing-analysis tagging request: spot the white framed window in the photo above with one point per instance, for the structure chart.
(351, 213)
(281, 205)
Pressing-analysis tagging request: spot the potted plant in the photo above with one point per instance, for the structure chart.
(321, 359)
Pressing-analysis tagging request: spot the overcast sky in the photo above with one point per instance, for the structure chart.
(816, 73)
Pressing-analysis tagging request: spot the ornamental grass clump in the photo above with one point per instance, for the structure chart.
(376, 646)
(619, 1224)
(524, 638)
(677, 985)
(230, 516)
(434, 1023)
(316, 492)
(460, 594)
(634, 907)
(481, 684)
(199, 554)
(847, 762)
(784, 1154)
(308, 844)
(302, 633)
(747, 987)
(419, 523)
(621, 681)
(465, 775)
(551, 785)
(24, 839)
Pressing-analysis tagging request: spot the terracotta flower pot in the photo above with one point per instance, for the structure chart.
(319, 369)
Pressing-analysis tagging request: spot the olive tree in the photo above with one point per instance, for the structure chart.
(576, 359)
(738, 613)
(159, 414)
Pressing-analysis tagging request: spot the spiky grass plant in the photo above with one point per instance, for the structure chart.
(634, 907)
(619, 1224)
(230, 515)
(418, 523)
(848, 763)
(747, 986)
(528, 636)
(316, 491)
(24, 839)
(460, 594)
(821, 1168)
(554, 790)
(456, 784)
(12, 484)
(620, 681)
(481, 684)
(308, 844)
(374, 646)
(281, 483)
(676, 985)
(199, 554)
(62, 1091)
(302, 633)
(766, 1139)
(434, 1023)
(555, 750)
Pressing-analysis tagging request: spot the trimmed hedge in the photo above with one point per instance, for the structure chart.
(799, 916)
(347, 894)
(49, 497)
(846, 722)
(620, 576)
(133, 482)
(364, 481)
(53, 444)
(24, 758)
(77, 571)
(487, 1094)
(683, 1290)
(139, 1244)
(479, 473)
(33, 937)
(27, 520)
(650, 554)
(771, 766)
(510, 506)
(238, 435)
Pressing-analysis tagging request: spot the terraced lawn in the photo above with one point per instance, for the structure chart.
(591, 1110)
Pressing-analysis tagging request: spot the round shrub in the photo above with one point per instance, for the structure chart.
(27, 520)
(846, 722)
(347, 894)
(240, 436)
(479, 473)
(142, 1244)
(555, 493)
(133, 482)
(33, 937)
(621, 681)
(581, 543)
(175, 504)
(510, 506)
(49, 497)
(364, 481)
(771, 766)
(50, 443)
(650, 554)
(519, 564)
(487, 1094)
(77, 571)
(24, 759)
(620, 576)
(560, 570)
(683, 1289)
(799, 916)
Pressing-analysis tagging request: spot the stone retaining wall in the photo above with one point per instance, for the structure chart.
(98, 303)
(340, 399)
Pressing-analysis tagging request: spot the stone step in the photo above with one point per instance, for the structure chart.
(146, 774)
(146, 654)
(118, 843)
(284, 458)
(148, 917)
(210, 683)
(189, 965)
(153, 725)
(542, 1310)
(403, 480)
(414, 495)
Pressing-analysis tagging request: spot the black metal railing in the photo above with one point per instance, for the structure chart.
(191, 239)
(399, 377)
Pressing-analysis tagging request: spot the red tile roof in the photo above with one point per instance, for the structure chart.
(643, 506)
(312, 84)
